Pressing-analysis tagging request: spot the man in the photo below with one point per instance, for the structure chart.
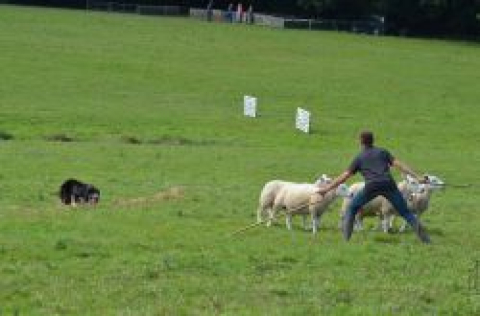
(374, 164)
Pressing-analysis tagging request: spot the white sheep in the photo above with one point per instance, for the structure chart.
(296, 198)
(270, 192)
(305, 201)
(418, 201)
(379, 206)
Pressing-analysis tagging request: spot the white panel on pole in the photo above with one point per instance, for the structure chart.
(250, 106)
(302, 120)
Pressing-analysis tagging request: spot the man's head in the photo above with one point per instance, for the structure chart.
(366, 139)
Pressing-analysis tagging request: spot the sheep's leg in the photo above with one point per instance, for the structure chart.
(403, 227)
(271, 215)
(259, 215)
(358, 223)
(271, 218)
(288, 220)
(316, 216)
(315, 223)
(384, 222)
(304, 219)
(391, 221)
(379, 226)
(262, 213)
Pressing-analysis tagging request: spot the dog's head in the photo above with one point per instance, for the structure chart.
(93, 195)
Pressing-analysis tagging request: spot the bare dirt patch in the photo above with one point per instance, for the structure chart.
(169, 194)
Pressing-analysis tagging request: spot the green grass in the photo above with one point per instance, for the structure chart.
(143, 107)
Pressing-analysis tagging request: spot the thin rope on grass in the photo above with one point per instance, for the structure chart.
(243, 229)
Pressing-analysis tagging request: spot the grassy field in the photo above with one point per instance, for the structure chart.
(150, 111)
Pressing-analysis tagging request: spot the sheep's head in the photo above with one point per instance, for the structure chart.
(431, 183)
(413, 185)
(342, 190)
(434, 182)
(323, 179)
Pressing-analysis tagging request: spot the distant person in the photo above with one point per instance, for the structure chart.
(230, 13)
(239, 12)
(250, 15)
(374, 164)
(210, 11)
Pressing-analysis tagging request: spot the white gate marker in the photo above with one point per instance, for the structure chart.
(250, 106)
(302, 120)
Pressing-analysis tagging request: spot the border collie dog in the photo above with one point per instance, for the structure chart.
(73, 192)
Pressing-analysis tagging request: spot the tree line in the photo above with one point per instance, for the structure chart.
(427, 18)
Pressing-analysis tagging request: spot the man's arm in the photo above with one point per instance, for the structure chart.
(405, 169)
(336, 182)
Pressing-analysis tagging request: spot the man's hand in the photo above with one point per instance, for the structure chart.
(339, 180)
(407, 170)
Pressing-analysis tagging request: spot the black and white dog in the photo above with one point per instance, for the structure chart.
(73, 192)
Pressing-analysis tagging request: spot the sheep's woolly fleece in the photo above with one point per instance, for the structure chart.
(173, 193)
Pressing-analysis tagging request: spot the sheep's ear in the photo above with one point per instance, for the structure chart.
(436, 182)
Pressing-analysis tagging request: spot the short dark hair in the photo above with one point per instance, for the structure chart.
(366, 138)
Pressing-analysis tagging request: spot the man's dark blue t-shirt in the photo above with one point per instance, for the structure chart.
(374, 165)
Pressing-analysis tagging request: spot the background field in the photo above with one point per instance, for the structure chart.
(153, 111)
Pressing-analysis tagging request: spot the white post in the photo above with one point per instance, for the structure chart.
(302, 120)
(250, 106)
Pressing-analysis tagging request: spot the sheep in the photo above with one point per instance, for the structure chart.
(301, 199)
(296, 198)
(418, 201)
(270, 192)
(379, 206)
(375, 207)
(267, 197)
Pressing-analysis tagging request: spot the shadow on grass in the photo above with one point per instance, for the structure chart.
(5, 136)
(180, 141)
(167, 141)
(62, 138)
(79, 249)
(432, 231)
(436, 231)
(132, 140)
(342, 296)
(386, 239)
(279, 292)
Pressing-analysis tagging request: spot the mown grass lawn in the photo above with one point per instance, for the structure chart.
(152, 111)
